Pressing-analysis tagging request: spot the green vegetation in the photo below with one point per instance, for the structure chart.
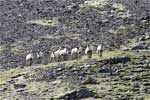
(107, 54)
(4, 76)
(67, 35)
(44, 22)
(119, 6)
(95, 3)
(133, 43)
(121, 10)
(1, 48)
(17, 50)
(121, 86)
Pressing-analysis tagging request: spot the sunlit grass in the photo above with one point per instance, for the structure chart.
(135, 43)
(44, 22)
(11, 73)
(96, 3)
(107, 54)
(1, 48)
(66, 35)
(119, 6)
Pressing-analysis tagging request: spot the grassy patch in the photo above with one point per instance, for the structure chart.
(107, 54)
(147, 97)
(17, 49)
(1, 48)
(135, 43)
(121, 10)
(11, 73)
(119, 6)
(95, 3)
(44, 22)
(85, 59)
(66, 35)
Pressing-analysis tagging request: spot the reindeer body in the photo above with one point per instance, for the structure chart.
(57, 55)
(88, 52)
(99, 50)
(64, 54)
(75, 52)
(40, 55)
(29, 57)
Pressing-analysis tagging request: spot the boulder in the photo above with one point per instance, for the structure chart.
(80, 93)
(90, 80)
(140, 46)
(17, 86)
(123, 98)
(104, 69)
(116, 60)
(138, 98)
(124, 48)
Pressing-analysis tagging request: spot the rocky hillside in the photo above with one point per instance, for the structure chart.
(44, 24)
(121, 74)
(118, 75)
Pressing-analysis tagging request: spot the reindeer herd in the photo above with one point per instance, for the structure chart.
(63, 54)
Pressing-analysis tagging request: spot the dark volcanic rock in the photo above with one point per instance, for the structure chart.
(124, 98)
(105, 69)
(80, 93)
(17, 86)
(90, 80)
(4, 89)
(141, 47)
(116, 60)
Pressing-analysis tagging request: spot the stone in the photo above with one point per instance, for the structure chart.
(17, 86)
(140, 47)
(104, 69)
(90, 80)
(116, 60)
(80, 93)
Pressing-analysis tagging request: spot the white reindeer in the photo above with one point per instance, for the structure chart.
(29, 57)
(88, 52)
(57, 55)
(99, 50)
(53, 57)
(80, 50)
(39, 56)
(87, 49)
(63, 53)
(75, 52)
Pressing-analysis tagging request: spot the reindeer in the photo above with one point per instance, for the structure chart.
(29, 58)
(75, 53)
(88, 52)
(53, 57)
(57, 55)
(99, 50)
(40, 55)
(64, 54)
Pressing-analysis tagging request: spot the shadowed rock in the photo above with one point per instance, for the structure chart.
(80, 93)
(17, 86)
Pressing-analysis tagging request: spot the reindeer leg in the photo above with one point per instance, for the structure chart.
(30, 63)
(52, 60)
(101, 53)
